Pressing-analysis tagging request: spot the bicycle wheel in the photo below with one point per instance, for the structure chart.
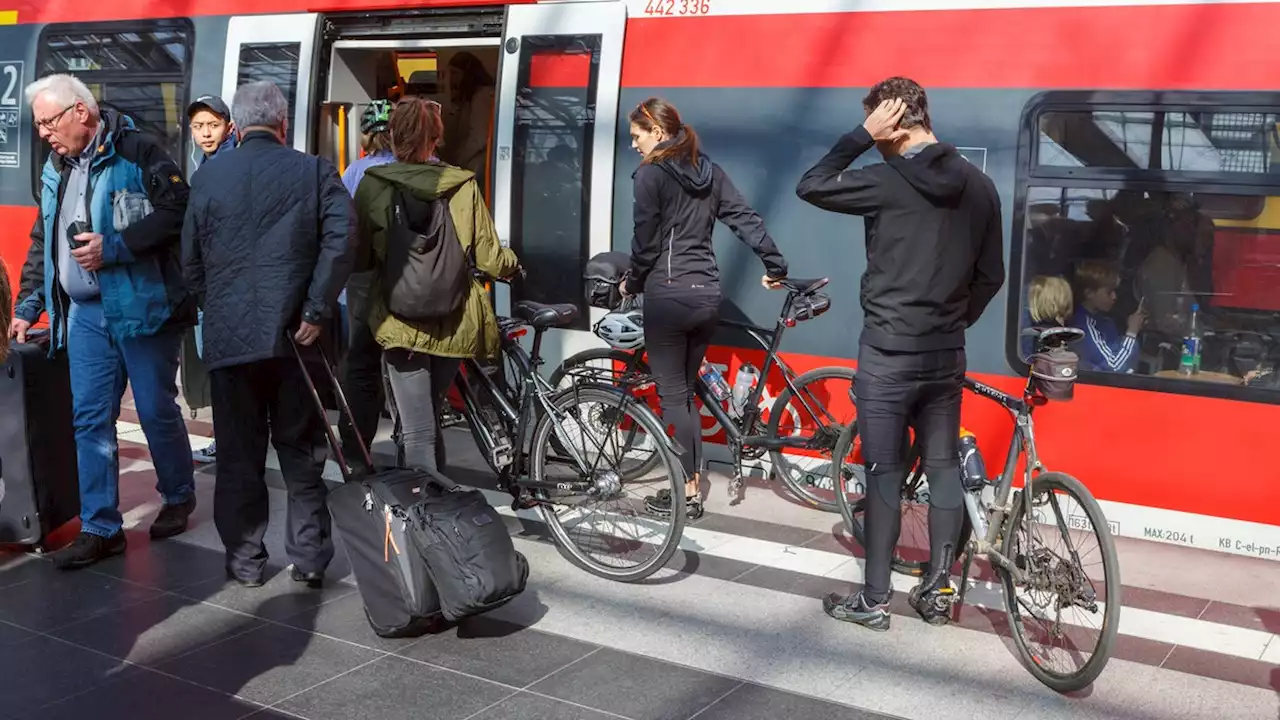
(808, 412)
(626, 526)
(911, 554)
(617, 363)
(1059, 582)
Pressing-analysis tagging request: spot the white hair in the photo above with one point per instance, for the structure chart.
(259, 104)
(65, 90)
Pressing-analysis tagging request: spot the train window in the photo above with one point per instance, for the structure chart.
(1184, 244)
(275, 63)
(554, 124)
(1201, 141)
(140, 69)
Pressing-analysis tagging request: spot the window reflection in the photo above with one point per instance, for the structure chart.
(136, 69)
(275, 63)
(554, 125)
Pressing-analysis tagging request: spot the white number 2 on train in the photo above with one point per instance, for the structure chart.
(10, 96)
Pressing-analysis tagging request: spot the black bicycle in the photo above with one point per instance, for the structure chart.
(798, 419)
(551, 450)
(1014, 530)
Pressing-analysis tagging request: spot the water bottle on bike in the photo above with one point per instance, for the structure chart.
(743, 383)
(973, 471)
(715, 381)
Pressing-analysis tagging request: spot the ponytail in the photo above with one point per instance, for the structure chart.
(682, 141)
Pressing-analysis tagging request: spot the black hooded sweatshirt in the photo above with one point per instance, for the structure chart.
(935, 256)
(676, 206)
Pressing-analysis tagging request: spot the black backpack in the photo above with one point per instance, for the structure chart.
(426, 274)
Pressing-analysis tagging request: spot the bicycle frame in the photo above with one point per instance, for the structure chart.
(1022, 444)
(535, 400)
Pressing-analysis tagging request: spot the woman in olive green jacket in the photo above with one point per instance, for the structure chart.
(423, 357)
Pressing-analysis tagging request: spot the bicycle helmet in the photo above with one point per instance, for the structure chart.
(622, 330)
(376, 117)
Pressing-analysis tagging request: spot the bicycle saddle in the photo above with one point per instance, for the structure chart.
(543, 316)
(804, 287)
(1052, 337)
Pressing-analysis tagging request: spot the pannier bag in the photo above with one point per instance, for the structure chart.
(1054, 373)
(468, 551)
(603, 275)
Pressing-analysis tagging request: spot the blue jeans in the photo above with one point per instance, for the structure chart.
(100, 367)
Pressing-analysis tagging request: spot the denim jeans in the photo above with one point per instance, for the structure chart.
(100, 367)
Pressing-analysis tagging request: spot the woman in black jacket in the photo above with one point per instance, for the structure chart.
(679, 194)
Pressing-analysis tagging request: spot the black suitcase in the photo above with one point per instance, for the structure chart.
(39, 480)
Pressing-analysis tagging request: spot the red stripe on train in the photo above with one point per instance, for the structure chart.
(1162, 47)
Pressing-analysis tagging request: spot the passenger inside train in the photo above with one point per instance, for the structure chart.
(1160, 272)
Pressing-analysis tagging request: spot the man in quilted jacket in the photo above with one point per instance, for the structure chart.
(267, 259)
(104, 265)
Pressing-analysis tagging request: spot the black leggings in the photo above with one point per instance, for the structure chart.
(921, 390)
(677, 331)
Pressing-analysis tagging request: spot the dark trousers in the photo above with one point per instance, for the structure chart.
(251, 403)
(921, 391)
(418, 386)
(362, 383)
(677, 332)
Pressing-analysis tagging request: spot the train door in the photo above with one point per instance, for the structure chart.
(555, 150)
(279, 49)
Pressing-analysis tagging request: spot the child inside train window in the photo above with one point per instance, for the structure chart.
(1049, 304)
(1104, 347)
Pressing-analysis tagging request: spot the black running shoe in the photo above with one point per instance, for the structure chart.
(660, 505)
(855, 609)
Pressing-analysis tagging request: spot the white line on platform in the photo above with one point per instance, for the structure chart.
(1136, 622)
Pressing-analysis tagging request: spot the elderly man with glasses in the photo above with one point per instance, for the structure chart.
(105, 265)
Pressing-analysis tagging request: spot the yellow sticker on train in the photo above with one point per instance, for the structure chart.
(8, 17)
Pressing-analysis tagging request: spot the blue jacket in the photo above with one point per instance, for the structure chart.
(1105, 348)
(141, 278)
(228, 144)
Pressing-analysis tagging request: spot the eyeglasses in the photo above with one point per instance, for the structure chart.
(51, 122)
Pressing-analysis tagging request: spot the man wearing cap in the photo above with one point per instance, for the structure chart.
(362, 367)
(211, 126)
(214, 133)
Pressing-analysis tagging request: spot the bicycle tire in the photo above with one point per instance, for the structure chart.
(639, 413)
(851, 511)
(615, 355)
(1111, 574)
(775, 416)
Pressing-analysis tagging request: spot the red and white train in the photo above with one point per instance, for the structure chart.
(1093, 118)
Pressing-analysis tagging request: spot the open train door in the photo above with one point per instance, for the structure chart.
(280, 49)
(556, 135)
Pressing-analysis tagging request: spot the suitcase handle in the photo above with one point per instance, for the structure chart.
(343, 407)
(334, 444)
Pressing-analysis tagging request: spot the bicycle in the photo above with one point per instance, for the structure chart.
(1022, 560)
(803, 302)
(517, 420)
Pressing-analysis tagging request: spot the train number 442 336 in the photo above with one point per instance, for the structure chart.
(677, 7)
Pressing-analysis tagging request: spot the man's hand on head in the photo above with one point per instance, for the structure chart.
(882, 123)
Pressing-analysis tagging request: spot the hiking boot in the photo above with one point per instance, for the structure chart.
(314, 580)
(88, 549)
(172, 519)
(857, 610)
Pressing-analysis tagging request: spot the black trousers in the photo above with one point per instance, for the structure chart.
(363, 384)
(252, 402)
(896, 391)
(677, 332)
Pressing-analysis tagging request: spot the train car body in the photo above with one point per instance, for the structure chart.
(1108, 128)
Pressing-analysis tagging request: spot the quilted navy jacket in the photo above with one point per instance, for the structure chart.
(269, 241)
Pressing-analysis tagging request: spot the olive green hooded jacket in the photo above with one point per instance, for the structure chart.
(473, 332)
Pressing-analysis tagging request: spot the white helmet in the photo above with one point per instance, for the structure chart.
(623, 330)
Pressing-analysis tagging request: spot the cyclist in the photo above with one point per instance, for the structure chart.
(934, 262)
(679, 194)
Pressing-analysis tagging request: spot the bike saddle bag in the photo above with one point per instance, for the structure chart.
(808, 307)
(603, 277)
(1054, 372)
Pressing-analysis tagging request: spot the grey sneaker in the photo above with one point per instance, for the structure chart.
(206, 455)
(857, 610)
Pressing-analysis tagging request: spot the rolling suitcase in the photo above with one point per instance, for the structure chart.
(39, 479)
(410, 534)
